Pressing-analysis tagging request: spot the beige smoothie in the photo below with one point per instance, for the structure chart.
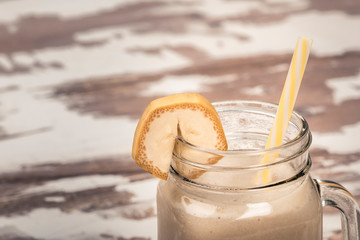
(291, 212)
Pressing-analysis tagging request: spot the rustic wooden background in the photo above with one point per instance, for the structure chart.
(76, 75)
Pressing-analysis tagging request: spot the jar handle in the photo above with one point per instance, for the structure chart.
(334, 195)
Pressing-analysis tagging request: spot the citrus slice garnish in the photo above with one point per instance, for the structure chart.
(186, 115)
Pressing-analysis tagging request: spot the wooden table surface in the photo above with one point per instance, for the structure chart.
(76, 75)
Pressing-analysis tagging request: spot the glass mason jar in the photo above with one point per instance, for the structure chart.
(248, 192)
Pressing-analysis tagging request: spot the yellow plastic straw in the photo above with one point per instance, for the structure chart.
(287, 100)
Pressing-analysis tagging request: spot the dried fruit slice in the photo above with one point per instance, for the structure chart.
(188, 115)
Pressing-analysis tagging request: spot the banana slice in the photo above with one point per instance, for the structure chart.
(188, 115)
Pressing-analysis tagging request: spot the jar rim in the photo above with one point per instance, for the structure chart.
(304, 131)
(301, 173)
